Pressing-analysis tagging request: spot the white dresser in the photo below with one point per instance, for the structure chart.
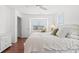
(5, 42)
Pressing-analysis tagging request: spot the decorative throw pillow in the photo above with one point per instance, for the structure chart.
(43, 29)
(54, 31)
(67, 35)
(62, 32)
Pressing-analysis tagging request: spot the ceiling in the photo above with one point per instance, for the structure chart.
(51, 9)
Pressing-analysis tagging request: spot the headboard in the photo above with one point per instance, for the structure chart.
(73, 28)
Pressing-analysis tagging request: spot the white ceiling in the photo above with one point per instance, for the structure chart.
(33, 9)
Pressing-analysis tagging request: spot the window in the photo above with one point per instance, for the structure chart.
(60, 20)
(39, 24)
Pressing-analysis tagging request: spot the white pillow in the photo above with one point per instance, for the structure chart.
(75, 33)
(73, 36)
(62, 32)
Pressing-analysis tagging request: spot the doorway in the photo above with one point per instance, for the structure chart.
(19, 27)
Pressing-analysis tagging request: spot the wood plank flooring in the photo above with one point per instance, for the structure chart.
(16, 47)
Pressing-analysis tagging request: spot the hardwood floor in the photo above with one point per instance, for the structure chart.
(16, 47)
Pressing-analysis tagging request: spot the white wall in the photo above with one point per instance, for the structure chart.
(3, 20)
(25, 26)
(71, 16)
(13, 23)
(8, 22)
(14, 14)
(71, 12)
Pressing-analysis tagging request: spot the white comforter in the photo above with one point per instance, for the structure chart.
(45, 41)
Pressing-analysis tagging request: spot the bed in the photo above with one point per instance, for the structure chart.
(43, 42)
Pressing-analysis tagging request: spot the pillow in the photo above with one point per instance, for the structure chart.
(62, 32)
(67, 35)
(73, 36)
(75, 33)
(54, 31)
(43, 29)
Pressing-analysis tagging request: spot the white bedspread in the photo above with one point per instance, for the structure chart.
(45, 41)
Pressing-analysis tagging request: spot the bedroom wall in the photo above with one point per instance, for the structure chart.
(71, 16)
(25, 26)
(13, 25)
(13, 17)
(71, 12)
(8, 22)
(3, 19)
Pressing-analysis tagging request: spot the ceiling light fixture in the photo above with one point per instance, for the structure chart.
(42, 7)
